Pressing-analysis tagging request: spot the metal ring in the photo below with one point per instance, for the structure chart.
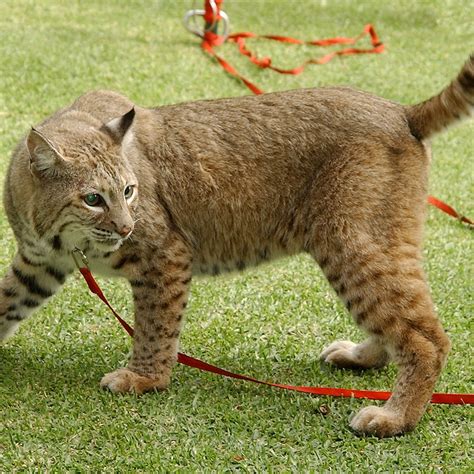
(82, 256)
(193, 28)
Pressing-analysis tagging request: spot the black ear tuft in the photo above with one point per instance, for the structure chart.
(119, 126)
(127, 120)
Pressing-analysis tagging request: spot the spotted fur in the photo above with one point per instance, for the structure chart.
(215, 186)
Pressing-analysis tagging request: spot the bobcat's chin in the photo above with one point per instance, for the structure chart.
(107, 245)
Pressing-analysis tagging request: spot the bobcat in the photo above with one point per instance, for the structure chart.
(158, 195)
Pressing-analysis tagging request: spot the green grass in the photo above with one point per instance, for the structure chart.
(270, 322)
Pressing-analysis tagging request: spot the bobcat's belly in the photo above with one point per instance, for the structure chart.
(216, 264)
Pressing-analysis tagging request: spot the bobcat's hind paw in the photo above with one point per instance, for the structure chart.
(339, 353)
(379, 421)
(125, 381)
(347, 355)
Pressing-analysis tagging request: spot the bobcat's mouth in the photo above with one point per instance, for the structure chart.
(106, 240)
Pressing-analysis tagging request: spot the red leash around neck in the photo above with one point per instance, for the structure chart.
(446, 398)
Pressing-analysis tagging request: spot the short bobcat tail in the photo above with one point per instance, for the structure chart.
(449, 106)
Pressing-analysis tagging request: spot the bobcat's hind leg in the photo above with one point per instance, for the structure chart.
(388, 297)
(371, 353)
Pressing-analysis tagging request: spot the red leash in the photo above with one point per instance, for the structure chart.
(446, 208)
(446, 398)
(213, 14)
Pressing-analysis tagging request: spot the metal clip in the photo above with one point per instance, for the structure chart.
(190, 23)
(82, 256)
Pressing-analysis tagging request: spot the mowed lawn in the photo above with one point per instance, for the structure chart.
(271, 322)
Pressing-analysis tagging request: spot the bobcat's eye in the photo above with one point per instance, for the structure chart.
(93, 199)
(128, 192)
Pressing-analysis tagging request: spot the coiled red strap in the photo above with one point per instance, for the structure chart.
(211, 40)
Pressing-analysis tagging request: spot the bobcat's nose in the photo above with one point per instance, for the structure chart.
(125, 231)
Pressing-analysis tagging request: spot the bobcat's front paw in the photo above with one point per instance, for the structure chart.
(379, 421)
(124, 380)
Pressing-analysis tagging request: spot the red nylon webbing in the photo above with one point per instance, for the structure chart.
(447, 398)
(95, 288)
(211, 40)
(266, 62)
(442, 206)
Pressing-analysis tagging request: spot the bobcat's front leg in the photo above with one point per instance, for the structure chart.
(26, 286)
(160, 294)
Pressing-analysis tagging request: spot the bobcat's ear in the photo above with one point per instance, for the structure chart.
(119, 126)
(44, 158)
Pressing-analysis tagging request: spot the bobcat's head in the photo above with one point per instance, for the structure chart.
(86, 191)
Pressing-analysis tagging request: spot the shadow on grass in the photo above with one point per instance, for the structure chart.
(23, 367)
